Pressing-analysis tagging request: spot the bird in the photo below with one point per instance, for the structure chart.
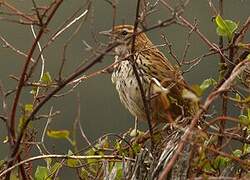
(168, 95)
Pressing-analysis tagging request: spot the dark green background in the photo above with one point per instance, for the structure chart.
(101, 111)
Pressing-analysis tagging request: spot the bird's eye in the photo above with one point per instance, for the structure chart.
(124, 32)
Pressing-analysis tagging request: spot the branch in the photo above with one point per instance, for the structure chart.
(25, 68)
(225, 86)
(61, 86)
(134, 65)
(109, 157)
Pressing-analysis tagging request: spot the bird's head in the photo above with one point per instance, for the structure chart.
(124, 34)
(120, 32)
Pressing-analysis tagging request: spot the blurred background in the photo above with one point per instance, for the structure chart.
(101, 110)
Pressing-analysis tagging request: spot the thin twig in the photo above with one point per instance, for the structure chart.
(45, 129)
(108, 157)
(134, 65)
(8, 45)
(225, 86)
(188, 24)
(222, 73)
(42, 65)
(19, 89)
(61, 86)
(70, 24)
(17, 12)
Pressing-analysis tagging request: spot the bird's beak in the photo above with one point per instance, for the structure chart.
(106, 33)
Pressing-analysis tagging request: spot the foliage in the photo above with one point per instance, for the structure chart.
(214, 142)
(225, 27)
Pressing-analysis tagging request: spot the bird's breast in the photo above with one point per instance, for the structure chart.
(127, 87)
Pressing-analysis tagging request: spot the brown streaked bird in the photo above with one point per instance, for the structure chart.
(169, 95)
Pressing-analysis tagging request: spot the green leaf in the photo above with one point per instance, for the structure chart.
(48, 161)
(225, 27)
(21, 122)
(55, 168)
(103, 143)
(34, 90)
(42, 173)
(220, 22)
(244, 120)
(245, 46)
(237, 153)
(207, 83)
(136, 147)
(248, 57)
(237, 97)
(72, 162)
(118, 147)
(221, 162)
(207, 167)
(14, 174)
(91, 152)
(84, 173)
(46, 79)
(221, 32)
(246, 148)
(232, 26)
(196, 88)
(28, 107)
(2, 162)
(118, 166)
(59, 134)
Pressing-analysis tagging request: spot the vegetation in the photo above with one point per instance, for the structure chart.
(214, 144)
